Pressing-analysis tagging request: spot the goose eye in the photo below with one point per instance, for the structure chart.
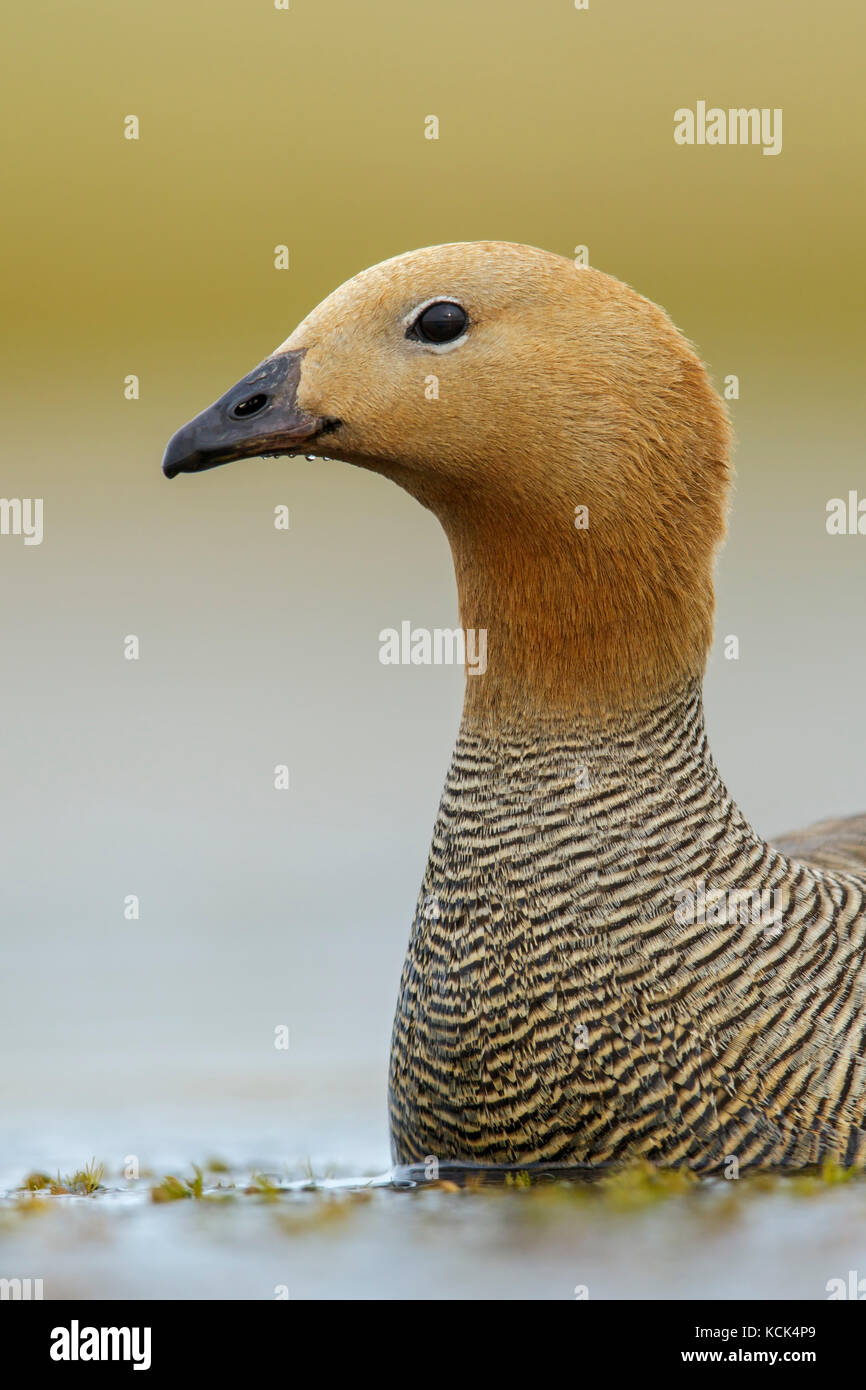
(439, 323)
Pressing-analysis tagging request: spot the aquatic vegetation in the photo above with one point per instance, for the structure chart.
(634, 1188)
(84, 1182)
(263, 1185)
(36, 1182)
(329, 1209)
(313, 1200)
(643, 1185)
(523, 1179)
(830, 1174)
(173, 1189)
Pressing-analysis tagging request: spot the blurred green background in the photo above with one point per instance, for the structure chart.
(155, 258)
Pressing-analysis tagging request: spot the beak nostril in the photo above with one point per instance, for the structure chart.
(251, 406)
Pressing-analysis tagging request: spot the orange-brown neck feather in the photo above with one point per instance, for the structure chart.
(602, 617)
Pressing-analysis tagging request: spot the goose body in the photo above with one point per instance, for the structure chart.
(607, 962)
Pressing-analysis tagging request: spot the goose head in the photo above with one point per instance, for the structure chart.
(557, 423)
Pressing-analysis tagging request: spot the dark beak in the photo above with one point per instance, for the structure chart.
(260, 415)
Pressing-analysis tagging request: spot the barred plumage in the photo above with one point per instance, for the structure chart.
(557, 1006)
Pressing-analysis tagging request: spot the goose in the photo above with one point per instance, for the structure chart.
(607, 962)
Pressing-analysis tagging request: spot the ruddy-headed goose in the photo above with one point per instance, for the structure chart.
(607, 961)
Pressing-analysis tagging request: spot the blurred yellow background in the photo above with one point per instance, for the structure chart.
(155, 257)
